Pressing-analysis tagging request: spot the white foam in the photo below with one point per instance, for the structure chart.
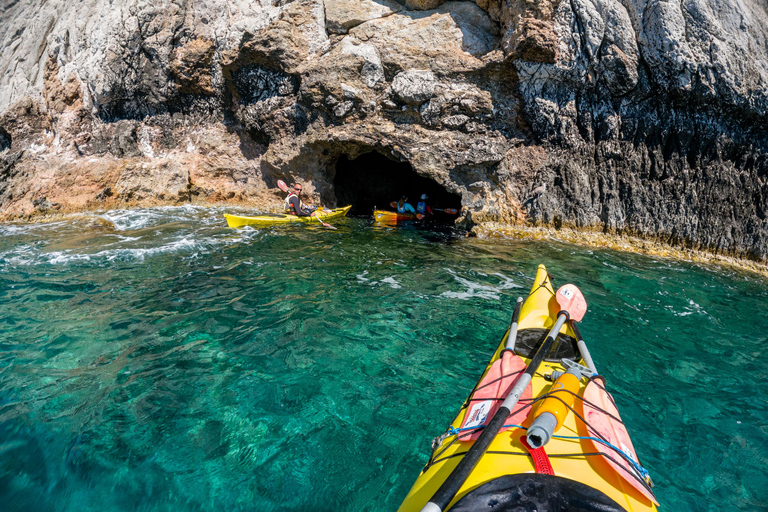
(125, 220)
(189, 230)
(392, 282)
(479, 290)
(691, 309)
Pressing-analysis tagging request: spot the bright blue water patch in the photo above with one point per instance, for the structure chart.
(170, 363)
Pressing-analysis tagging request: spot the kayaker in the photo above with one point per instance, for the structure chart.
(295, 205)
(404, 207)
(422, 206)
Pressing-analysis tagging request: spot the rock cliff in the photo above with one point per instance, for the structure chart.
(647, 117)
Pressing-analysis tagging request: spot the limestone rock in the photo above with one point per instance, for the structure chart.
(646, 117)
(414, 86)
(341, 15)
(142, 182)
(119, 139)
(191, 66)
(479, 33)
(433, 40)
(535, 41)
(422, 5)
(456, 121)
(370, 69)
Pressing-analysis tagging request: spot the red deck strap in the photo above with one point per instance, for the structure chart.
(540, 458)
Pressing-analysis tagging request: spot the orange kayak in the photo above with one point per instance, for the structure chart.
(392, 218)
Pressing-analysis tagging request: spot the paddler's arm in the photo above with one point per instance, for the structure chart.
(297, 209)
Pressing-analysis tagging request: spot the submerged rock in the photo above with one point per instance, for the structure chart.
(646, 117)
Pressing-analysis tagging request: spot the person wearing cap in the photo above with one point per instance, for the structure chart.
(422, 206)
(404, 207)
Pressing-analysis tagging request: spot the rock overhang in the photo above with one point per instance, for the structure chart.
(470, 93)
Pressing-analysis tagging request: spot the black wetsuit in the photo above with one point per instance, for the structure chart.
(295, 205)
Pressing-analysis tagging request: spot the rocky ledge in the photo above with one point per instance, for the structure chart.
(636, 117)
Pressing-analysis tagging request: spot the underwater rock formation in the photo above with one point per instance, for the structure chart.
(635, 116)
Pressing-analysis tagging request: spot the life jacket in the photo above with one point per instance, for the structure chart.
(421, 207)
(287, 204)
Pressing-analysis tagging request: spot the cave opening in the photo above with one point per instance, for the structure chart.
(5, 139)
(373, 181)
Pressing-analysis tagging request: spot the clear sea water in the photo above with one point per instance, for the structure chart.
(172, 364)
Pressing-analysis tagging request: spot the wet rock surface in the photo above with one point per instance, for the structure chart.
(641, 117)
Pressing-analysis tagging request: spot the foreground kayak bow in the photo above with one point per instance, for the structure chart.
(563, 446)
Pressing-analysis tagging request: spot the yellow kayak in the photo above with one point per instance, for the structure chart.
(269, 219)
(582, 460)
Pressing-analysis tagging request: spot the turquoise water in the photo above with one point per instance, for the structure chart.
(170, 363)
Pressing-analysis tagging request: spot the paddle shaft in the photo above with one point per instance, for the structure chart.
(324, 223)
(464, 468)
(512, 337)
(585, 355)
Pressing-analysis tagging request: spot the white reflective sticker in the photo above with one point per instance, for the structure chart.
(626, 451)
(478, 413)
(567, 293)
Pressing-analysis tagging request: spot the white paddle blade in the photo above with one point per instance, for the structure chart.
(571, 300)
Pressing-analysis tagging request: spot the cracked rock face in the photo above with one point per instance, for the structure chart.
(647, 117)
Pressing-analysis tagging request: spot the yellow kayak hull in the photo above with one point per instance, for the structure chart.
(270, 219)
(506, 455)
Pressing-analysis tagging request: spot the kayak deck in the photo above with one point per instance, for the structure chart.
(574, 457)
(269, 219)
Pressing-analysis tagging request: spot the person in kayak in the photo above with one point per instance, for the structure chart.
(295, 205)
(404, 207)
(422, 206)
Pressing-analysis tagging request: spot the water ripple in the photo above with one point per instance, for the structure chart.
(157, 360)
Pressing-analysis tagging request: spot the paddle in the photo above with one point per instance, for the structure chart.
(512, 337)
(585, 355)
(449, 211)
(497, 382)
(324, 223)
(572, 306)
(282, 186)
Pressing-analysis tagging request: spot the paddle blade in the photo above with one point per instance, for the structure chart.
(571, 300)
(492, 391)
(420, 216)
(282, 186)
(604, 422)
(451, 211)
(393, 204)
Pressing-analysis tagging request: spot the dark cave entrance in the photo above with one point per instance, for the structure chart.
(373, 181)
(5, 139)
